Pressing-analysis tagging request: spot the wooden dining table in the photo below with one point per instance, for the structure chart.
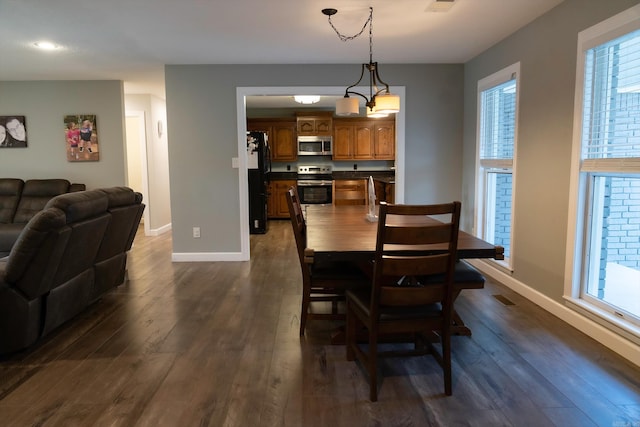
(344, 233)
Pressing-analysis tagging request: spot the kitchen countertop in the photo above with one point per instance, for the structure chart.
(379, 175)
(385, 179)
(383, 176)
(283, 175)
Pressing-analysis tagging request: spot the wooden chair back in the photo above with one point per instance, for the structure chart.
(297, 221)
(408, 249)
(325, 283)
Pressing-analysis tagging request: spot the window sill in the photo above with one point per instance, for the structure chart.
(605, 319)
(501, 265)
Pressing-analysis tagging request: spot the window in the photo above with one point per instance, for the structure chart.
(497, 124)
(606, 243)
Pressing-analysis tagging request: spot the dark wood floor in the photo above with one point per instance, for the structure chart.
(216, 344)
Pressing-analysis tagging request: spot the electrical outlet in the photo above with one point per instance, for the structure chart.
(196, 232)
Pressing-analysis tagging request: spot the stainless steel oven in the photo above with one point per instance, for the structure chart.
(315, 185)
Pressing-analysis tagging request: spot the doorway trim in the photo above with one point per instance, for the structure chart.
(142, 135)
(241, 161)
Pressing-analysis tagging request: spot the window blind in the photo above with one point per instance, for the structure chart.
(611, 111)
(497, 122)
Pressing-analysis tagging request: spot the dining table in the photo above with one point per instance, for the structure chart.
(349, 233)
(344, 232)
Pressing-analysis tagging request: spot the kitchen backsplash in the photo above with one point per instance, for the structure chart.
(338, 166)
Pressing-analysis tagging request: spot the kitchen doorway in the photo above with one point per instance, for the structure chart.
(241, 161)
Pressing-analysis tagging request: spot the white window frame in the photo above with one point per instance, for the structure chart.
(578, 229)
(484, 167)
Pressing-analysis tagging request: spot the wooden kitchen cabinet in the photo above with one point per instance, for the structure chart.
(277, 206)
(283, 144)
(350, 192)
(352, 141)
(319, 123)
(363, 139)
(384, 140)
(282, 137)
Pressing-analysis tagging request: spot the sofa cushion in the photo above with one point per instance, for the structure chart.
(77, 187)
(80, 205)
(20, 320)
(35, 195)
(35, 256)
(10, 190)
(121, 196)
(126, 209)
(8, 237)
(87, 218)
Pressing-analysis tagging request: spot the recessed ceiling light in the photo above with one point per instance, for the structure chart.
(44, 45)
(307, 99)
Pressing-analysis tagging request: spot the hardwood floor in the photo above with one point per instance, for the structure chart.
(216, 344)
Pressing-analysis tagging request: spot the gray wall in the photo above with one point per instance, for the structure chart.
(546, 50)
(202, 124)
(45, 103)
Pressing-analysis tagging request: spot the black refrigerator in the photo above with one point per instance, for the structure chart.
(258, 167)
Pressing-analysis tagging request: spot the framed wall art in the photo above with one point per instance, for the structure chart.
(81, 138)
(13, 132)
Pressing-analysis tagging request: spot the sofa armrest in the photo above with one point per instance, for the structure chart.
(77, 187)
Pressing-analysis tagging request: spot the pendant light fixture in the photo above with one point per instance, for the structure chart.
(380, 102)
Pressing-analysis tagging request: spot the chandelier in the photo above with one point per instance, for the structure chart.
(380, 102)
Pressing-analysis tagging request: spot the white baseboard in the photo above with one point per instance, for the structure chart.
(158, 231)
(624, 347)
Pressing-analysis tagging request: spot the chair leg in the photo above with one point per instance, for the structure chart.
(350, 333)
(446, 363)
(372, 362)
(303, 314)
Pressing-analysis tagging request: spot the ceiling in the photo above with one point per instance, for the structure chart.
(131, 40)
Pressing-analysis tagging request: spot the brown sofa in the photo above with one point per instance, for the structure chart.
(66, 257)
(21, 200)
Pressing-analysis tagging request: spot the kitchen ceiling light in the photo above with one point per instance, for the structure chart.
(44, 45)
(382, 97)
(374, 113)
(306, 99)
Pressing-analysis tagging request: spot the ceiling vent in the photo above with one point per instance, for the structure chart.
(440, 5)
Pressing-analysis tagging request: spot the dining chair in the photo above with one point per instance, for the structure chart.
(399, 304)
(320, 282)
(465, 276)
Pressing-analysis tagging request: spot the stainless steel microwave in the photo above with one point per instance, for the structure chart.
(315, 146)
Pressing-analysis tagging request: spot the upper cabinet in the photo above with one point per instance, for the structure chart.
(315, 124)
(384, 140)
(282, 137)
(362, 139)
(355, 138)
(283, 143)
(352, 140)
